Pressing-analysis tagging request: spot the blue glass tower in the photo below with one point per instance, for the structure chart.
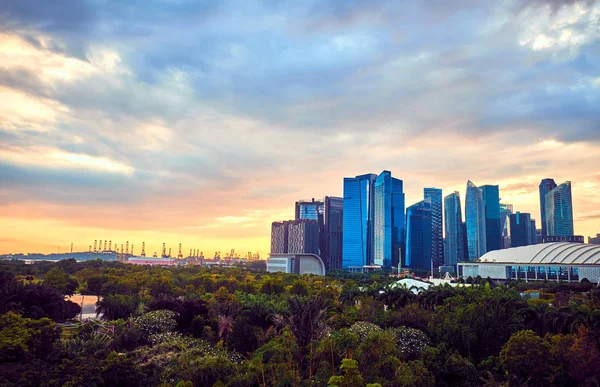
(418, 235)
(520, 229)
(475, 222)
(559, 211)
(493, 232)
(546, 185)
(357, 250)
(437, 235)
(388, 224)
(455, 237)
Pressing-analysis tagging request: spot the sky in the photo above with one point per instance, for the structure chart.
(202, 122)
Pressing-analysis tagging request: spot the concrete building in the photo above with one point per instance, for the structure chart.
(296, 264)
(279, 237)
(303, 237)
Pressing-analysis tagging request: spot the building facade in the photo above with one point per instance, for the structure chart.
(475, 220)
(455, 238)
(437, 224)
(418, 235)
(357, 250)
(546, 185)
(594, 240)
(559, 211)
(493, 232)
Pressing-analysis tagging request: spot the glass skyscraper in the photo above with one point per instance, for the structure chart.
(455, 242)
(493, 232)
(313, 210)
(418, 235)
(505, 211)
(357, 237)
(388, 223)
(559, 211)
(437, 235)
(546, 186)
(475, 220)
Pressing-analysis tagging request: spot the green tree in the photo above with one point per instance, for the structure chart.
(351, 377)
(527, 358)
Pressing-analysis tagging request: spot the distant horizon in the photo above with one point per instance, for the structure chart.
(202, 122)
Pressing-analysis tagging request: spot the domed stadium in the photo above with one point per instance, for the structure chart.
(570, 262)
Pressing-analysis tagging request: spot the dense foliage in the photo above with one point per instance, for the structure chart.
(195, 326)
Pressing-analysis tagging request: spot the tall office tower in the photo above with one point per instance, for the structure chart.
(334, 218)
(546, 186)
(437, 224)
(505, 211)
(419, 217)
(559, 211)
(303, 237)
(279, 237)
(388, 221)
(493, 232)
(310, 209)
(475, 219)
(455, 237)
(520, 229)
(358, 210)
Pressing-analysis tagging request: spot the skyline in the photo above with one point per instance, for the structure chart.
(201, 123)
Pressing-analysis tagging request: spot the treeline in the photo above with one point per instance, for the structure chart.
(235, 327)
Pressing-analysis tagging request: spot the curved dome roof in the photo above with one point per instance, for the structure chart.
(559, 253)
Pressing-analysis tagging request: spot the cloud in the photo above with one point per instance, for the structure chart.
(200, 118)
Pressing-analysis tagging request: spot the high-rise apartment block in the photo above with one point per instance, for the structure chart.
(454, 226)
(419, 218)
(546, 185)
(437, 226)
(559, 210)
(475, 220)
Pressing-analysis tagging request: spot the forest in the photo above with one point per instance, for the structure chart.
(196, 326)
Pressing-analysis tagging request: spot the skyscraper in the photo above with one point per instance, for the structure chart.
(505, 211)
(334, 218)
(455, 238)
(357, 237)
(493, 233)
(437, 234)
(533, 237)
(559, 211)
(303, 237)
(475, 219)
(279, 237)
(418, 235)
(520, 229)
(388, 223)
(329, 214)
(546, 186)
